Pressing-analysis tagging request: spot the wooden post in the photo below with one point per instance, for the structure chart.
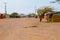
(52, 18)
(47, 18)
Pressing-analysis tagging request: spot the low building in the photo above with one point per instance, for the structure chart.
(53, 17)
(56, 17)
(7, 16)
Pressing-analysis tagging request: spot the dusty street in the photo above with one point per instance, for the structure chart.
(28, 29)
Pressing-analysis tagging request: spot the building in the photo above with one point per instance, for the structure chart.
(53, 17)
(56, 17)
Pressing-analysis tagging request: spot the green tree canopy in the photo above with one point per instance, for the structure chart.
(44, 10)
(14, 15)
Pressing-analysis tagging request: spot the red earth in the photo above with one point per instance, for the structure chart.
(28, 29)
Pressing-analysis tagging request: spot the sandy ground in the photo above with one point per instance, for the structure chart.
(28, 29)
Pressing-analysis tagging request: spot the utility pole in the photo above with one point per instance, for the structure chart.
(35, 9)
(5, 10)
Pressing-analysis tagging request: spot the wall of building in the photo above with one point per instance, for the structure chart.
(56, 18)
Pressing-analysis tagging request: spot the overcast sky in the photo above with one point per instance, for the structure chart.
(26, 6)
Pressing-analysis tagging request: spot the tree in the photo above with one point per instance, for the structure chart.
(44, 10)
(14, 15)
(41, 12)
(31, 15)
(56, 1)
(22, 15)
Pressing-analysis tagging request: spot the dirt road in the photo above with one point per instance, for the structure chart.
(28, 29)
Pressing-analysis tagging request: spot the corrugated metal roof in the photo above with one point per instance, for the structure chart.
(58, 14)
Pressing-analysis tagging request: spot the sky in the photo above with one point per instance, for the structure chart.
(26, 6)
